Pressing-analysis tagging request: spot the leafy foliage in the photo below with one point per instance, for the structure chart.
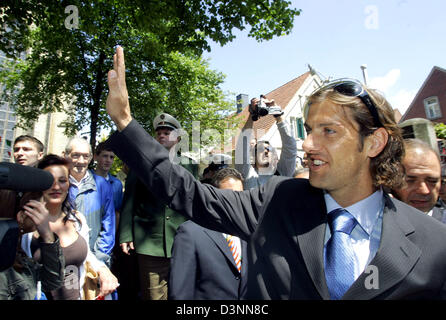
(440, 130)
(163, 41)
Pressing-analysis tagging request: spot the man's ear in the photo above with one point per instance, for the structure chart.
(40, 155)
(377, 142)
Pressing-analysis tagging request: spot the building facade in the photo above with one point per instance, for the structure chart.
(430, 101)
(48, 130)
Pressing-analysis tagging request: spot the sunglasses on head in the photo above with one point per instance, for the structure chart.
(353, 88)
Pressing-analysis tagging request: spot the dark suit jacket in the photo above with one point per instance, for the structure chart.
(284, 222)
(202, 266)
(439, 211)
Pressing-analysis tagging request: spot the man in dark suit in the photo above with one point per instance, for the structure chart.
(206, 264)
(423, 179)
(442, 193)
(337, 235)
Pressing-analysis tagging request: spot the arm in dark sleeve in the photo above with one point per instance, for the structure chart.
(51, 273)
(128, 209)
(183, 266)
(227, 211)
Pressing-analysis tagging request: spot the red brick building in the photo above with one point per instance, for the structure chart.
(430, 101)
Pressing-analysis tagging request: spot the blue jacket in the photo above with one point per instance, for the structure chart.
(116, 185)
(94, 199)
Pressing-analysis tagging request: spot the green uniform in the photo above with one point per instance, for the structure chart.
(147, 221)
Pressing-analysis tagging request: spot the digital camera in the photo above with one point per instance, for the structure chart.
(264, 107)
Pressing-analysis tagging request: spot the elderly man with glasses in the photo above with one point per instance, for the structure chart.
(93, 196)
(337, 235)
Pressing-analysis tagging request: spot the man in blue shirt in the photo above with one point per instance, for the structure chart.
(104, 157)
(93, 197)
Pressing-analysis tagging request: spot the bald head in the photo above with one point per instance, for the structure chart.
(423, 175)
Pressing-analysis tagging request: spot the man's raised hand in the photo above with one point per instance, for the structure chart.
(118, 106)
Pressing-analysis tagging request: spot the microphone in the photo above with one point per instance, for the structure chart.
(22, 178)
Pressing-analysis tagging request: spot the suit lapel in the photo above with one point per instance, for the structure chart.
(395, 258)
(311, 238)
(437, 213)
(244, 245)
(222, 245)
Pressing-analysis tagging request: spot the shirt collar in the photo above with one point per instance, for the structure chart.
(365, 211)
(84, 179)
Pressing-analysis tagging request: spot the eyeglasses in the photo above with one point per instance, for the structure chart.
(76, 155)
(353, 88)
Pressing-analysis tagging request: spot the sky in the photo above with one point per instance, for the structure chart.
(399, 41)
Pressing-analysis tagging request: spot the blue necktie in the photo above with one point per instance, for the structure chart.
(339, 255)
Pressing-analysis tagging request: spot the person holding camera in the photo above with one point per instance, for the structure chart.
(266, 162)
(22, 278)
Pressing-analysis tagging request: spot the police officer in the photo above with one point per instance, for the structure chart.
(148, 226)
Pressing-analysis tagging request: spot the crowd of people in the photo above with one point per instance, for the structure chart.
(131, 235)
(366, 205)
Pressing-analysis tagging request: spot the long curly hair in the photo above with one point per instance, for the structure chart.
(386, 168)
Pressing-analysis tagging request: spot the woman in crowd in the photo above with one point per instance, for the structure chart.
(71, 228)
(20, 276)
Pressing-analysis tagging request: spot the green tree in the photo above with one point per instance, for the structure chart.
(440, 130)
(163, 41)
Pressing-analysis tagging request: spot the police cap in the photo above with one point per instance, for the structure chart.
(165, 120)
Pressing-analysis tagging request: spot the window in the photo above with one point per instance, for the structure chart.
(300, 128)
(408, 132)
(9, 134)
(432, 108)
